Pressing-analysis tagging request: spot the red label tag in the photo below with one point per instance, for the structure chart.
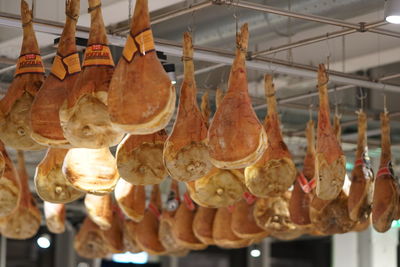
(154, 210)
(307, 186)
(250, 198)
(188, 201)
(359, 162)
(384, 171)
(30, 56)
(97, 47)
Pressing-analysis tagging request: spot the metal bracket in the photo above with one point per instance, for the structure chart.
(218, 2)
(362, 27)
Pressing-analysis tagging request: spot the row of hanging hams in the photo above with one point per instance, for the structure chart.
(237, 171)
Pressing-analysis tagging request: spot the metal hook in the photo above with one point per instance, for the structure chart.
(362, 96)
(236, 15)
(384, 99)
(130, 12)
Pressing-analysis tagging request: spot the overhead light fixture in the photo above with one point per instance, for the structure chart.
(128, 257)
(392, 11)
(255, 251)
(44, 241)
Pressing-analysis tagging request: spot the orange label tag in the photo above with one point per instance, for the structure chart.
(58, 68)
(142, 43)
(65, 66)
(98, 55)
(73, 63)
(130, 49)
(145, 41)
(29, 63)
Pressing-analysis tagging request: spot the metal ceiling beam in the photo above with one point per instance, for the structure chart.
(360, 27)
(217, 56)
(164, 17)
(319, 38)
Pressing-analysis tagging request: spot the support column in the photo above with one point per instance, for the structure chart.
(345, 250)
(3, 252)
(377, 249)
(266, 252)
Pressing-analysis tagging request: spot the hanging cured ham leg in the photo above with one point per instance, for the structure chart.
(131, 199)
(91, 170)
(45, 120)
(361, 189)
(84, 117)
(142, 97)
(223, 235)
(185, 153)
(24, 223)
(182, 228)
(100, 210)
(386, 191)
(299, 204)
(129, 234)
(92, 242)
(243, 222)
(332, 216)
(236, 137)
(167, 221)
(330, 161)
(147, 235)
(15, 106)
(10, 186)
(218, 188)
(140, 158)
(203, 224)
(275, 172)
(50, 182)
(55, 217)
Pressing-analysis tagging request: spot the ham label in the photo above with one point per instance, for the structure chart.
(142, 42)
(65, 66)
(98, 55)
(29, 63)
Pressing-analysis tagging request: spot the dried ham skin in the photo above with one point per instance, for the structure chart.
(219, 188)
(92, 242)
(223, 235)
(141, 98)
(272, 214)
(203, 224)
(243, 222)
(54, 214)
(147, 234)
(140, 158)
(330, 161)
(275, 172)
(83, 115)
(167, 221)
(15, 106)
(10, 186)
(131, 199)
(299, 204)
(236, 137)
(100, 210)
(50, 183)
(44, 115)
(25, 221)
(129, 229)
(91, 170)
(182, 228)
(386, 190)
(185, 153)
(361, 189)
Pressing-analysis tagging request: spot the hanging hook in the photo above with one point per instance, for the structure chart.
(130, 12)
(384, 99)
(236, 15)
(362, 96)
